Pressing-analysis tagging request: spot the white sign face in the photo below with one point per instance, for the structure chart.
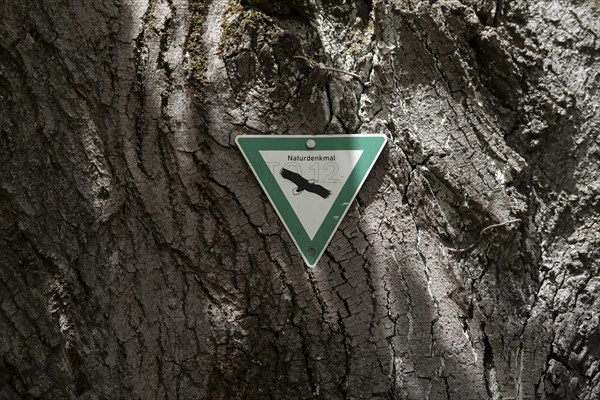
(297, 172)
(311, 181)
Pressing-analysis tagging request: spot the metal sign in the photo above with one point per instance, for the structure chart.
(311, 181)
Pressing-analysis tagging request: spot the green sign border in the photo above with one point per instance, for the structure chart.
(251, 145)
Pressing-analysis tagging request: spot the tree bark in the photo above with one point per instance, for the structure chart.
(140, 259)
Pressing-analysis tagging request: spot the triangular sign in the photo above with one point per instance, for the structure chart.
(311, 181)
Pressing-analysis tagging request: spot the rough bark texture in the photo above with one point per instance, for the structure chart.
(139, 258)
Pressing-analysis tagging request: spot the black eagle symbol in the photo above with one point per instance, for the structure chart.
(302, 184)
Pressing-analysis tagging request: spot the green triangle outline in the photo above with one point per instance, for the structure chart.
(251, 145)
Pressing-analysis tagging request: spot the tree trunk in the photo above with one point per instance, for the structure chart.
(139, 258)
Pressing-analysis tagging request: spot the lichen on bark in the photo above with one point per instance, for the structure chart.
(195, 48)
